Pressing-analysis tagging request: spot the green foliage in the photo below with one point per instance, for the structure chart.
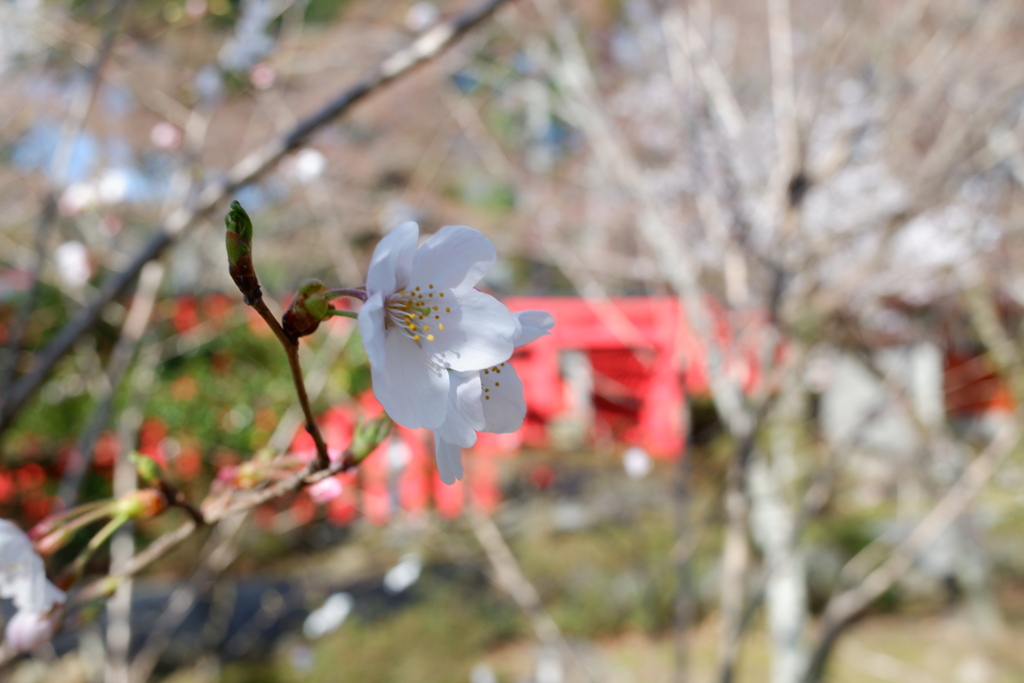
(235, 376)
(323, 11)
(605, 580)
(436, 638)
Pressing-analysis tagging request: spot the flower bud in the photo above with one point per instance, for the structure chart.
(142, 504)
(325, 490)
(368, 436)
(308, 308)
(109, 585)
(238, 222)
(52, 542)
(238, 240)
(147, 468)
(27, 630)
(45, 527)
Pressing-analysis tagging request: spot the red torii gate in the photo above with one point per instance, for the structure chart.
(643, 354)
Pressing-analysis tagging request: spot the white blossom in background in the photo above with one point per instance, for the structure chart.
(76, 198)
(73, 263)
(421, 16)
(329, 616)
(422, 318)
(308, 165)
(636, 462)
(262, 76)
(28, 630)
(165, 135)
(403, 575)
(487, 400)
(23, 581)
(325, 490)
(112, 187)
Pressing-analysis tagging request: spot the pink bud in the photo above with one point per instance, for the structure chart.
(27, 630)
(325, 490)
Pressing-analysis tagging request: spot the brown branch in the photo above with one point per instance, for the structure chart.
(211, 515)
(423, 49)
(291, 348)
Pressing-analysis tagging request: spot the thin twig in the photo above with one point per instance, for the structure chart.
(247, 500)
(291, 348)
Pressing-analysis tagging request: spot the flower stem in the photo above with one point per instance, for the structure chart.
(75, 570)
(291, 348)
(343, 314)
(355, 293)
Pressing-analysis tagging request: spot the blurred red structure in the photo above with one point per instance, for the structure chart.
(639, 356)
(642, 356)
(971, 386)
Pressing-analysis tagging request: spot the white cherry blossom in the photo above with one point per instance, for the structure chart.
(22, 575)
(422, 319)
(28, 630)
(23, 581)
(488, 400)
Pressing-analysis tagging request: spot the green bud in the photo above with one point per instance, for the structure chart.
(149, 472)
(309, 307)
(238, 222)
(238, 240)
(109, 585)
(368, 436)
(237, 247)
(142, 504)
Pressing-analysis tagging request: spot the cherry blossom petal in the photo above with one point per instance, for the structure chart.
(532, 326)
(465, 414)
(449, 460)
(478, 336)
(455, 257)
(22, 574)
(28, 630)
(392, 259)
(504, 405)
(371, 327)
(325, 490)
(413, 391)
